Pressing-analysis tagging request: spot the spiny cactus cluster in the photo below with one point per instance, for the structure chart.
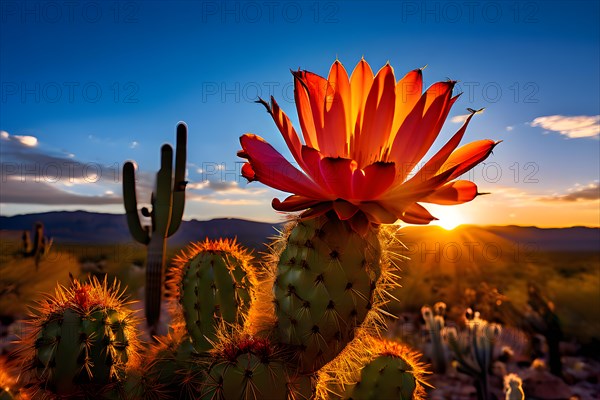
(40, 247)
(305, 324)
(82, 342)
(232, 335)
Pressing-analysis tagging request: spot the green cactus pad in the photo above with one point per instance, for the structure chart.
(213, 283)
(326, 276)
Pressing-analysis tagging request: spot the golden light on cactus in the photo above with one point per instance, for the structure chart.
(363, 137)
(229, 247)
(212, 283)
(337, 378)
(80, 340)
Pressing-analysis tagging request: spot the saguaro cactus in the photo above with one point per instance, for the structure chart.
(40, 246)
(168, 201)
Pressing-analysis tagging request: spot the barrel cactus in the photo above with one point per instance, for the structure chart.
(212, 285)
(82, 341)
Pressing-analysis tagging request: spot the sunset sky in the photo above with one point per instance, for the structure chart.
(88, 85)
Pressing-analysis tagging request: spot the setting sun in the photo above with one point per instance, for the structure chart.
(448, 217)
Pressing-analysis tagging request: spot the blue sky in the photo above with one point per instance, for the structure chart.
(85, 87)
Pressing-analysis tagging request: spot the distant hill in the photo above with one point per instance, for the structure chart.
(529, 238)
(98, 228)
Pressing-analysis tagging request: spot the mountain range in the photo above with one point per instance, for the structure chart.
(100, 228)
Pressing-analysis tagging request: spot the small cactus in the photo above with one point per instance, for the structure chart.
(41, 244)
(212, 284)
(251, 368)
(376, 369)
(434, 322)
(474, 355)
(82, 341)
(168, 201)
(513, 387)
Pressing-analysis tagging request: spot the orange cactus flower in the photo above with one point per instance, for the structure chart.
(363, 139)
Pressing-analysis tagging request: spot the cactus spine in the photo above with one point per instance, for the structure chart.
(213, 283)
(168, 201)
(82, 341)
(41, 244)
(325, 278)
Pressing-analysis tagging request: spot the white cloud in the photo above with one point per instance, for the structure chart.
(134, 144)
(28, 141)
(510, 128)
(589, 192)
(459, 119)
(573, 127)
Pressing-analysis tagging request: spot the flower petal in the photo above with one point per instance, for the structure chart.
(421, 127)
(337, 122)
(408, 92)
(248, 172)
(272, 169)
(337, 174)
(344, 210)
(285, 127)
(304, 109)
(456, 192)
(435, 163)
(287, 130)
(378, 214)
(360, 85)
(316, 88)
(468, 156)
(372, 181)
(294, 203)
(417, 214)
(378, 118)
